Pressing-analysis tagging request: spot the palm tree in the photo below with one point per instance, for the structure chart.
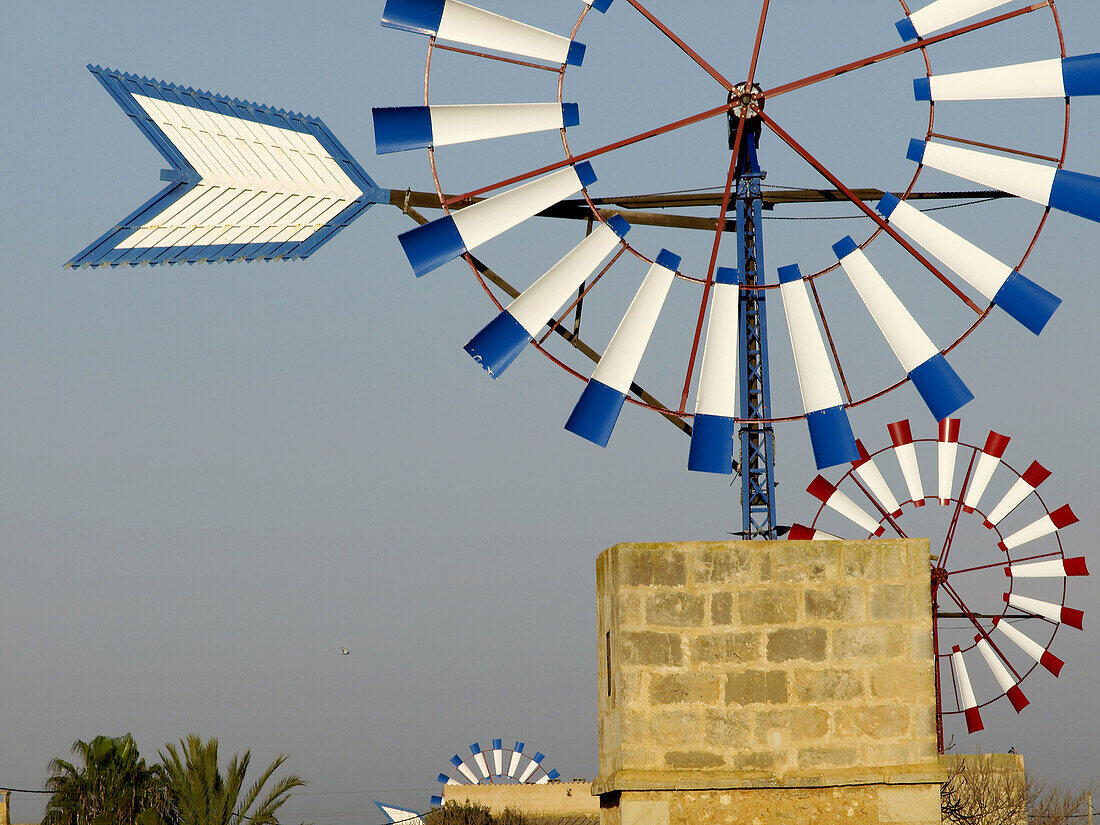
(204, 796)
(110, 786)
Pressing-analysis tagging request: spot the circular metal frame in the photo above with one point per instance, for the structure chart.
(571, 157)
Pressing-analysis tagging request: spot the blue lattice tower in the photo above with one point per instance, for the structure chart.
(757, 437)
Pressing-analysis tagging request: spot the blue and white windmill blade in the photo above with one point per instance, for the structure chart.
(1015, 293)
(831, 434)
(247, 182)
(399, 128)
(598, 408)
(399, 816)
(939, 386)
(532, 766)
(1060, 189)
(479, 760)
(513, 763)
(941, 14)
(714, 425)
(458, 22)
(503, 339)
(433, 244)
(1058, 77)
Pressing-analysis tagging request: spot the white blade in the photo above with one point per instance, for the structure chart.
(513, 764)
(962, 680)
(908, 341)
(995, 445)
(1048, 569)
(1000, 672)
(947, 450)
(462, 23)
(975, 266)
(1043, 78)
(906, 453)
(718, 375)
(485, 220)
(944, 13)
(1021, 178)
(1024, 486)
(869, 473)
(838, 502)
(463, 124)
(811, 359)
(1048, 610)
(1044, 526)
(537, 304)
(619, 364)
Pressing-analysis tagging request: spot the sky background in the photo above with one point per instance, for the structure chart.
(212, 477)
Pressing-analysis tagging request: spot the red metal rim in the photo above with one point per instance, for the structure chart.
(570, 156)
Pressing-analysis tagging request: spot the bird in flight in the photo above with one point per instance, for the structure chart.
(344, 651)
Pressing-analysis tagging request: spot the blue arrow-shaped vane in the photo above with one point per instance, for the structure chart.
(246, 183)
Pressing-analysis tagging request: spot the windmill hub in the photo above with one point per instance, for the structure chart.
(939, 575)
(746, 101)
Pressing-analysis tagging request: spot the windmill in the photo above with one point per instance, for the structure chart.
(986, 584)
(497, 765)
(248, 182)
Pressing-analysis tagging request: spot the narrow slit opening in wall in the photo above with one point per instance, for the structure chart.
(608, 640)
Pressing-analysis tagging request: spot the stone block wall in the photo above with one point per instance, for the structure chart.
(766, 665)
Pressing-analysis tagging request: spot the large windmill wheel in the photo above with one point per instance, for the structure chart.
(998, 588)
(547, 312)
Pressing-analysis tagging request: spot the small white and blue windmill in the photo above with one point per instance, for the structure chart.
(999, 590)
(497, 765)
(252, 183)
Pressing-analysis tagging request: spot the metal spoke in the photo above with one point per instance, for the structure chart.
(690, 52)
(713, 262)
(978, 626)
(871, 213)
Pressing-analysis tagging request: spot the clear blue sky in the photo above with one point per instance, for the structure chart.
(212, 477)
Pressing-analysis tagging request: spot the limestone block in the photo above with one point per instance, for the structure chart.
(724, 564)
(675, 609)
(817, 685)
(833, 756)
(839, 603)
(891, 601)
(723, 648)
(806, 643)
(798, 723)
(864, 641)
(807, 561)
(721, 609)
(647, 647)
(645, 812)
(878, 721)
(911, 804)
(767, 606)
(646, 565)
(750, 687)
(682, 688)
(693, 759)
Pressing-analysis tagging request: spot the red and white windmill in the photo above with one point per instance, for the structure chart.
(999, 594)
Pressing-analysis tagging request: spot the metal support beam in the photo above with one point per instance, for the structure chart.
(757, 437)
